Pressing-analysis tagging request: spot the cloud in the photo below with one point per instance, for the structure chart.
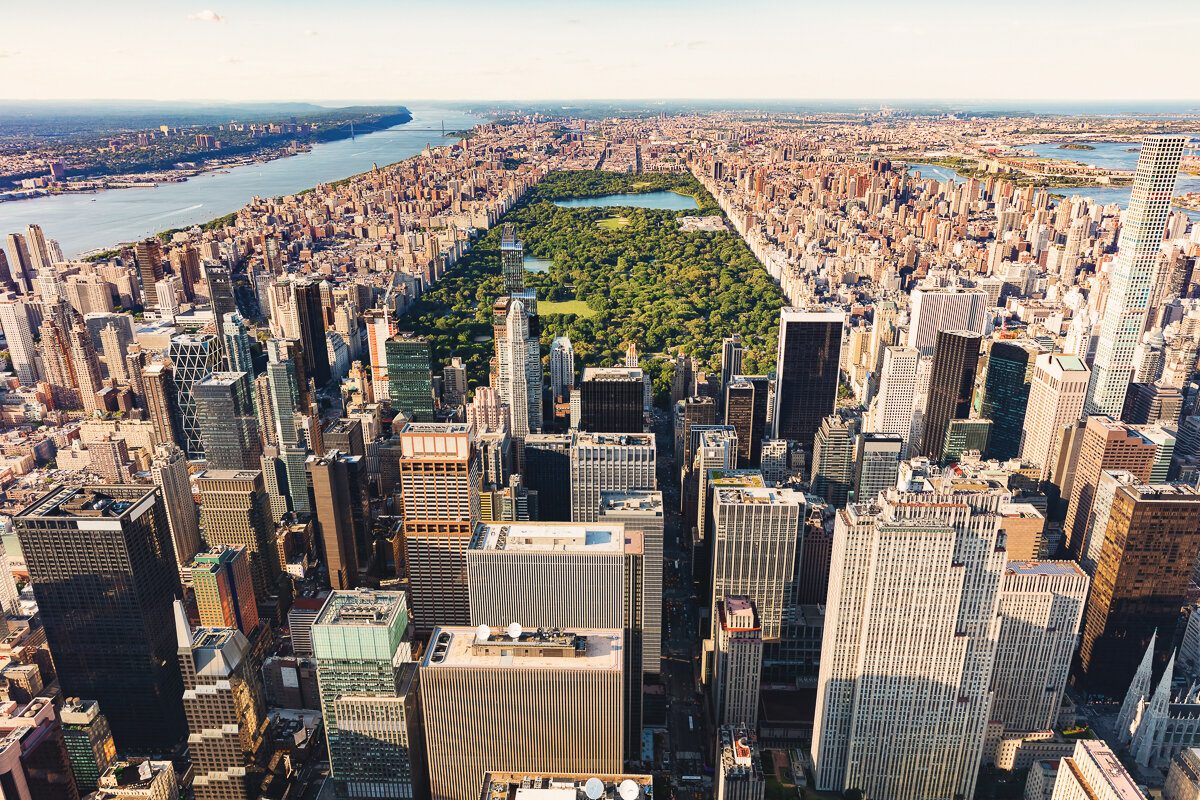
(310, 32)
(207, 15)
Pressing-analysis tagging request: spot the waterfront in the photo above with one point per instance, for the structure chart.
(86, 222)
(669, 201)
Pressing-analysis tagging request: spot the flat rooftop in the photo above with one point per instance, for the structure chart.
(435, 427)
(1043, 568)
(363, 608)
(567, 537)
(612, 374)
(562, 786)
(751, 478)
(222, 378)
(639, 501)
(90, 502)
(615, 439)
(588, 649)
(753, 495)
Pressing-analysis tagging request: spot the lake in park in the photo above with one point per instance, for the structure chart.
(667, 201)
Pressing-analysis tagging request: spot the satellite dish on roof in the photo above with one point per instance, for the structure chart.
(514, 630)
(483, 633)
(628, 790)
(594, 788)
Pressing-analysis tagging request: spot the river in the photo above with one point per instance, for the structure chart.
(90, 221)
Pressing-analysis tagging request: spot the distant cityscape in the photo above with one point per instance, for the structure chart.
(710, 453)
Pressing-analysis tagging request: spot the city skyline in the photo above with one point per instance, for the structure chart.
(674, 50)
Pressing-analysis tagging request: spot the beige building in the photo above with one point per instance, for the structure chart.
(234, 511)
(538, 702)
(1056, 395)
(1094, 773)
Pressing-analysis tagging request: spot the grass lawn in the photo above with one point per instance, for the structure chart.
(612, 223)
(576, 307)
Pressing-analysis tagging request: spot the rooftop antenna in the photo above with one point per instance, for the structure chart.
(514, 630)
(594, 788)
(483, 633)
(628, 790)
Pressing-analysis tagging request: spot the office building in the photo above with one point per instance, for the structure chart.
(369, 699)
(169, 471)
(139, 780)
(731, 363)
(896, 405)
(642, 511)
(454, 383)
(234, 511)
(547, 460)
(1133, 274)
(1040, 610)
(914, 726)
(1141, 581)
(194, 356)
(612, 400)
(608, 462)
(757, 537)
(562, 369)
(938, 310)
(497, 700)
(1094, 773)
(345, 436)
(806, 372)
(340, 498)
(107, 611)
(227, 421)
(223, 701)
(739, 771)
(160, 399)
(1057, 392)
(518, 378)
(966, 439)
(876, 463)
(512, 259)
(833, 459)
(14, 320)
(737, 666)
(410, 378)
(89, 741)
(746, 406)
(1006, 395)
(1106, 445)
(951, 387)
(224, 589)
(34, 763)
(1183, 777)
(301, 616)
(439, 489)
(150, 268)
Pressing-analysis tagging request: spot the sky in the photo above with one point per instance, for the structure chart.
(405, 50)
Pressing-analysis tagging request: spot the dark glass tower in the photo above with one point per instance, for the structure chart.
(410, 378)
(228, 424)
(548, 472)
(311, 315)
(1006, 395)
(612, 400)
(951, 384)
(746, 411)
(806, 372)
(105, 576)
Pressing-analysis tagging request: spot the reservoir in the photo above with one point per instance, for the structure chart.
(668, 201)
(90, 221)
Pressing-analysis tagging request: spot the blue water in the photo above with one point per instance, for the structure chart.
(537, 264)
(669, 201)
(83, 222)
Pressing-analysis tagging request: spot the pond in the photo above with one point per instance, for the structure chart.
(668, 201)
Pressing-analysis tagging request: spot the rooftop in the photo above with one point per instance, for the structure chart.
(361, 608)
(612, 374)
(93, 502)
(754, 495)
(590, 649)
(573, 537)
(615, 439)
(1043, 568)
(562, 786)
(643, 501)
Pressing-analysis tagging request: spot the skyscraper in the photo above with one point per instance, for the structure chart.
(547, 459)
(410, 379)
(876, 464)
(512, 259)
(160, 400)
(194, 357)
(1040, 610)
(518, 378)
(369, 700)
(1056, 395)
(737, 669)
(20, 263)
(937, 310)
(234, 511)
(608, 462)
(150, 267)
(833, 459)
(14, 320)
(107, 609)
(731, 362)
(757, 534)
(745, 404)
(89, 741)
(227, 421)
(642, 511)
(903, 696)
(339, 503)
(224, 589)
(223, 701)
(1133, 273)
(1141, 581)
(169, 471)
(563, 690)
(739, 771)
(951, 386)
(562, 368)
(611, 400)
(310, 319)
(439, 481)
(1006, 395)
(1093, 772)
(807, 369)
(895, 406)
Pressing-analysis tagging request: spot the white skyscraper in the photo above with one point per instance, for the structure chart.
(608, 462)
(936, 310)
(1041, 607)
(1056, 396)
(1133, 273)
(1093, 772)
(519, 367)
(169, 471)
(14, 319)
(562, 368)
(895, 405)
(903, 695)
(738, 663)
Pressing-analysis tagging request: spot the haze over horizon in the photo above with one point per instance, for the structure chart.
(537, 50)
